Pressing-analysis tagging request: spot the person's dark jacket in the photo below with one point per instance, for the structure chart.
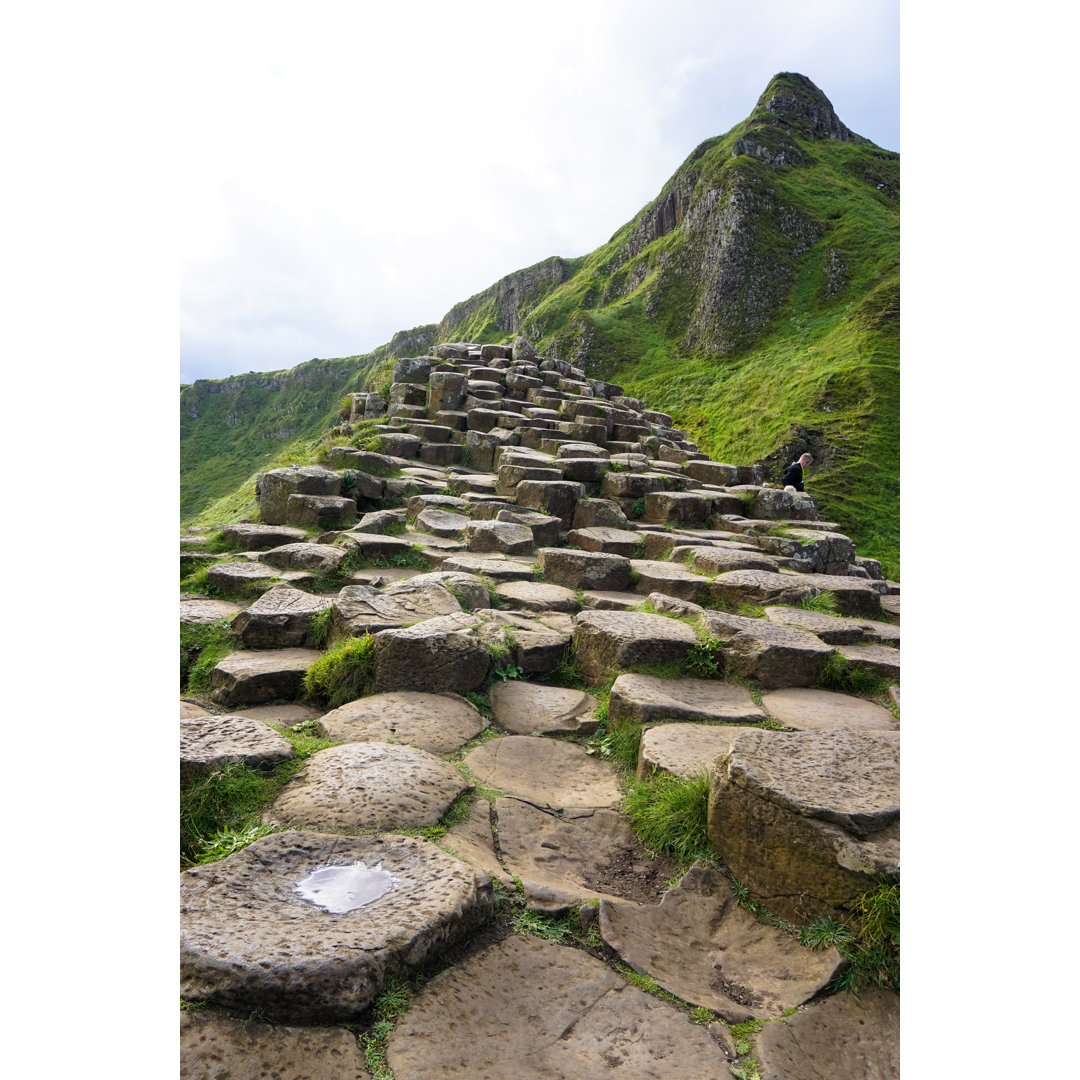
(793, 476)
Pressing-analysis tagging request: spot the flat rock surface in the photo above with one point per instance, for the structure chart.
(537, 596)
(214, 1047)
(437, 723)
(473, 840)
(208, 742)
(880, 659)
(643, 698)
(249, 940)
(367, 785)
(576, 856)
(805, 709)
(610, 600)
(360, 609)
(833, 629)
(499, 569)
(526, 708)
(848, 778)
(280, 618)
(843, 1037)
(248, 537)
(701, 947)
(197, 610)
(544, 772)
(684, 750)
(606, 640)
(282, 714)
(526, 1009)
(189, 709)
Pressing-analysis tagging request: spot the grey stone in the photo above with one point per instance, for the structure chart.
(537, 596)
(528, 708)
(364, 785)
(442, 522)
(320, 558)
(437, 723)
(252, 678)
(320, 511)
(248, 537)
(698, 944)
(599, 513)
(608, 541)
(361, 609)
(202, 610)
(281, 618)
(274, 488)
(445, 654)
(483, 536)
(835, 630)
(644, 698)
(806, 710)
(668, 578)
(208, 742)
(249, 941)
(773, 656)
(615, 640)
(412, 369)
(584, 569)
(556, 497)
(684, 750)
(500, 569)
(879, 659)
(545, 528)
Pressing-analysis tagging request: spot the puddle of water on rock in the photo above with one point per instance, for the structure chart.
(341, 889)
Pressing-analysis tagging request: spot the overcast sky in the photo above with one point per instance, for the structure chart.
(354, 169)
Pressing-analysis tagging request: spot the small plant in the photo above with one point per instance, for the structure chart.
(823, 602)
(704, 660)
(319, 628)
(511, 671)
(638, 508)
(201, 649)
(343, 673)
(228, 841)
(839, 674)
(620, 744)
(344, 407)
(670, 815)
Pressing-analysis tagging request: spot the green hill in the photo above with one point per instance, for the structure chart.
(756, 300)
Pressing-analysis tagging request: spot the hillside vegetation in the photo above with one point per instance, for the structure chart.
(756, 300)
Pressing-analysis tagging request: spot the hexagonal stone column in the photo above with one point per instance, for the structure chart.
(808, 820)
(614, 640)
(249, 940)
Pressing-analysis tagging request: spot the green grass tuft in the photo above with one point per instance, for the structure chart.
(344, 673)
(670, 815)
(201, 648)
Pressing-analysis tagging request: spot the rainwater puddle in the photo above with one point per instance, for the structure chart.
(345, 888)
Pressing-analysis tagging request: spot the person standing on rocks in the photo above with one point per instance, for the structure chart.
(793, 477)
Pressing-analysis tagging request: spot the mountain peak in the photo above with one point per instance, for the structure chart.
(792, 101)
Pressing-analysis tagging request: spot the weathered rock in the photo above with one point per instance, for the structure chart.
(189, 710)
(879, 659)
(608, 541)
(573, 857)
(320, 511)
(437, 723)
(526, 1009)
(610, 600)
(473, 840)
(281, 618)
(544, 527)
(678, 507)
(835, 630)
(251, 678)
(713, 472)
(213, 1046)
(501, 569)
(469, 590)
(208, 742)
(544, 772)
(599, 514)
(364, 785)
(483, 536)
(669, 579)
(244, 577)
(557, 498)
(806, 710)
(274, 488)
(446, 391)
(537, 596)
(247, 537)
(438, 655)
(281, 714)
(663, 604)
(202, 610)
(361, 609)
(584, 569)
(808, 820)
(772, 656)
(844, 1037)
(528, 708)
(249, 940)
(699, 945)
(615, 640)
(684, 750)
(412, 369)
(643, 699)
(442, 522)
(721, 560)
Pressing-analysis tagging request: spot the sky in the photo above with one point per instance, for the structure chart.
(360, 169)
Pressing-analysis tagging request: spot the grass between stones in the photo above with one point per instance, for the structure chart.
(343, 673)
(841, 675)
(201, 648)
(823, 602)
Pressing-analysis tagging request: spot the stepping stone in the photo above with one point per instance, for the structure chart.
(209, 742)
(283, 715)
(545, 528)
(808, 710)
(701, 947)
(443, 522)
(251, 941)
(672, 605)
(721, 560)
(320, 511)
(437, 723)
(844, 1037)
(320, 558)
(584, 569)
(668, 578)
(499, 569)
(281, 618)
(599, 514)
(362, 609)
(808, 820)
(574, 857)
(253, 678)
(608, 541)
(615, 640)
(247, 537)
(469, 590)
(274, 488)
(370, 545)
(544, 772)
(557, 498)
(678, 507)
(378, 521)
(365, 785)
(441, 655)
(482, 536)
(189, 710)
(530, 709)
(773, 656)
(641, 699)
(202, 610)
(760, 587)
(609, 600)
(684, 750)
(429, 543)
(525, 1009)
(835, 630)
(416, 504)
(215, 1045)
(891, 604)
(537, 596)
(243, 577)
(879, 659)
(473, 840)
